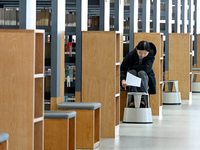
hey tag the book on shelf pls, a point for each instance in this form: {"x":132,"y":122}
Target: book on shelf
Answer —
{"x":70,"y":20}
{"x":43,"y":17}
{"x":95,"y":21}
{"x":1,"y":16}
{"x":69,"y":44}
{"x":71,"y":72}
{"x":9,"y":16}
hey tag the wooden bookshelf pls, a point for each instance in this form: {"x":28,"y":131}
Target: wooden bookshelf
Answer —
{"x":22,"y":86}
{"x":197,"y":65}
{"x":180,"y":62}
{"x":157,"y":40}
{"x":198,"y":51}
{"x":101,"y":59}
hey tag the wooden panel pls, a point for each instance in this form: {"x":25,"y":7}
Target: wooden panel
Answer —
{"x":98,"y":75}
{"x":117,"y":86}
{"x":17,"y":86}
{"x":179,"y":62}
{"x":78,"y":96}
{"x":72,"y":133}
{"x":4,"y":145}
{"x":123,"y":98}
{"x":84,"y":128}
{"x":62,"y":70}
{"x":122,"y":49}
{"x":39,"y":53}
{"x":39,"y":97}
{"x":198,"y":51}
{"x":155,"y":38}
{"x":117,"y":110}
{"x":38,"y":136}
{"x":198,"y":55}
{"x":56,"y":134}
{"x":97,"y":125}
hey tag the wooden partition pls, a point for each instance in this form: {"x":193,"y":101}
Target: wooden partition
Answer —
{"x":100,"y":76}
{"x":157,"y":40}
{"x":180,"y":62}
{"x":22,"y":88}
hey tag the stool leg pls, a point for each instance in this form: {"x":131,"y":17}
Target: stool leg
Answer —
{"x":170,"y":86}
{"x":137,"y":100}
{"x":128,"y":100}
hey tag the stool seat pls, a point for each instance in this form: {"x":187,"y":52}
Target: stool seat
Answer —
{"x":59,"y":114}
{"x":78,"y":105}
{"x":4,"y":137}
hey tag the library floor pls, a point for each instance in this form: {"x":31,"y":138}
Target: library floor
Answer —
{"x":178,"y":128}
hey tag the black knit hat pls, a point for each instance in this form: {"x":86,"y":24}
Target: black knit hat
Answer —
{"x":143,"y":45}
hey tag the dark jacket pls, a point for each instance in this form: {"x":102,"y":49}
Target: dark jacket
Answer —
{"x":131,"y":61}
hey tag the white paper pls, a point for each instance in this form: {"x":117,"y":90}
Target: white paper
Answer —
{"x":132,"y":80}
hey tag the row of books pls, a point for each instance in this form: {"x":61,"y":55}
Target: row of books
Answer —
{"x":70,"y":72}
{"x":69,"y":98}
{"x":9,"y":16}
{"x":43,"y":17}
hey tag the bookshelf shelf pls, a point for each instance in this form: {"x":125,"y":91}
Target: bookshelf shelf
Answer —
{"x":22,"y":86}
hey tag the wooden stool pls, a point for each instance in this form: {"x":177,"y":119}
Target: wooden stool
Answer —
{"x":87,"y":123}
{"x":59,"y":130}
{"x":4,"y":141}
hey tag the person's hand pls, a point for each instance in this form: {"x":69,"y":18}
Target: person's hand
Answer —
{"x":124,"y":84}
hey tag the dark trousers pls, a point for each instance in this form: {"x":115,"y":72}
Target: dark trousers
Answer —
{"x":144,"y":82}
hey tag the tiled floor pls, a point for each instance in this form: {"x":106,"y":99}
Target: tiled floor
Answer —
{"x":178,"y":128}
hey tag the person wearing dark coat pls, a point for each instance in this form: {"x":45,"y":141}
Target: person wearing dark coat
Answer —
{"x":139,"y":62}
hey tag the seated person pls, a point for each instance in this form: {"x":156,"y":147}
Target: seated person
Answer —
{"x":139,"y":62}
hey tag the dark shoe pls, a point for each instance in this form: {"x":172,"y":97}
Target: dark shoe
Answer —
{"x":132,"y":105}
{"x":142,"y":104}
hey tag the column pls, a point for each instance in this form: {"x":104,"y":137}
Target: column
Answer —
{"x":104,"y":15}
{"x":27,"y":14}
{"x":146,"y":16}
{"x":81,"y":25}
{"x":184,"y":16}
{"x":156,"y":16}
{"x":177,"y":16}
{"x":57,"y":52}
{"x":191,"y":16}
{"x":133,"y":24}
{"x":168,"y":29}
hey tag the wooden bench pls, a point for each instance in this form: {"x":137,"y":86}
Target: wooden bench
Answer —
{"x":59,"y":130}
{"x":87,"y":123}
{"x":4,"y":141}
